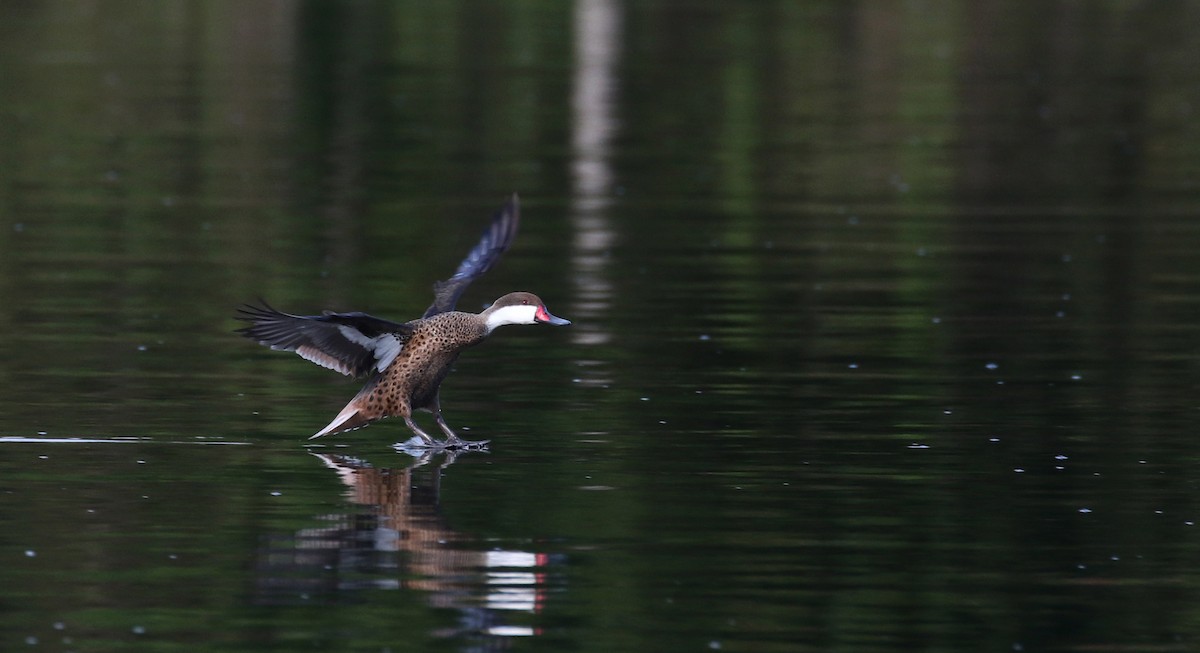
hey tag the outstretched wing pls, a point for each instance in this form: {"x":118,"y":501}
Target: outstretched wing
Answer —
{"x":496,"y":239}
{"x":355,"y":344}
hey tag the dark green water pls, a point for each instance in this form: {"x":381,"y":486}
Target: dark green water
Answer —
{"x":886,"y":325}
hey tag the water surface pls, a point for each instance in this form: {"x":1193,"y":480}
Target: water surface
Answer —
{"x":885,"y":324}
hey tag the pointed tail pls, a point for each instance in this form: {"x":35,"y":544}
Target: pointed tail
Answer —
{"x":353,"y":416}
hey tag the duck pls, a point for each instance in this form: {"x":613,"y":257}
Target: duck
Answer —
{"x":405,"y":362}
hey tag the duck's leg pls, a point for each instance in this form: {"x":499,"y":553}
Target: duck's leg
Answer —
{"x":452,"y":439}
{"x":426,"y":439}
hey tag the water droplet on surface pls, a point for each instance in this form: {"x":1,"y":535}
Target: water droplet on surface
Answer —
{"x":138,"y":630}
{"x":30,"y":553}
{"x":276,"y":493}
{"x":1085,"y":510}
{"x":991,"y":366}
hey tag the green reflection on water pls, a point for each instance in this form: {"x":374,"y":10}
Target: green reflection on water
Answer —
{"x":808,"y":230}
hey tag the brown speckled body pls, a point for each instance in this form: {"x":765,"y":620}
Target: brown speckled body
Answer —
{"x":406,"y":361}
{"x":411,"y":382}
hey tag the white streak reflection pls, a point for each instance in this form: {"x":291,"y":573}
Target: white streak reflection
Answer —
{"x":509,"y":589}
{"x":597,"y":46}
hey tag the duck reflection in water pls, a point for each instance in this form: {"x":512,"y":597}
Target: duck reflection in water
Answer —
{"x":397,"y":511}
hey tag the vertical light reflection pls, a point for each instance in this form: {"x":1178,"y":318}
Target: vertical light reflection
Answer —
{"x":597,"y":46}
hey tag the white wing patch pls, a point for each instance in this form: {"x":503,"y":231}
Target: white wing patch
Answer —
{"x":383,"y":348}
{"x":387,"y":348}
{"x":356,"y":336}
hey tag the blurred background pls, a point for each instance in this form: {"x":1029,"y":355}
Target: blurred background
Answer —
{"x":885,"y":324}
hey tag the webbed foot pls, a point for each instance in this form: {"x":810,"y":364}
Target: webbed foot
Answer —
{"x":458,"y":444}
{"x":419,"y":448}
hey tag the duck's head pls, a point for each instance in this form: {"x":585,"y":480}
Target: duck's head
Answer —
{"x":519,"y":308}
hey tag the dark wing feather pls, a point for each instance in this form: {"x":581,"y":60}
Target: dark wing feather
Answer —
{"x":355,"y":344}
{"x":496,"y":239}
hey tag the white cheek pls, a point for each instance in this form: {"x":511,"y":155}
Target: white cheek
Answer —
{"x":512,"y":315}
